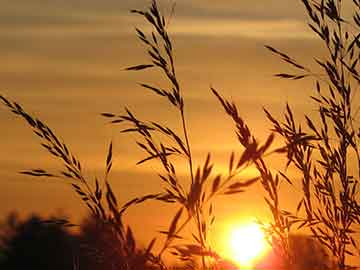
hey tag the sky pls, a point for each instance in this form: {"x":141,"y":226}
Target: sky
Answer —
{"x":64,"y":62}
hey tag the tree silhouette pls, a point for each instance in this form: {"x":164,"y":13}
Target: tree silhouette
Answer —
{"x":35,"y":244}
{"x":307,"y":254}
{"x":102,"y":248}
{"x":32,"y":244}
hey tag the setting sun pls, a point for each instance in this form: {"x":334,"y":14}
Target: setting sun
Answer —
{"x":246,"y":244}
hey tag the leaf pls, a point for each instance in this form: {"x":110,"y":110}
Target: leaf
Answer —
{"x":37,"y":173}
{"x":154,"y":89}
{"x":174,"y":222}
{"x":140,"y":33}
{"x":130,"y":241}
{"x":286,"y":178}
{"x":299,"y":205}
{"x":271,"y":49}
{"x":244,"y":184}
{"x":231,"y":192}
{"x":268,"y":143}
{"x":110,"y":115}
{"x":150,"y":246}
{"x":68,"y":175}
{"x":173,"y":236}
{"x":231,"y":162}
{"x":351,"y":45}
{"x":109,"y":159}
{"x":283,"y":55}
{"x":98,"y":192}
{"x":245,"y":156}
{"x":140,"y":67}
{"x":285,"y":76}
{"x":127,"y":204}
{"x":110,"y":195}
{"x":216,"y":184}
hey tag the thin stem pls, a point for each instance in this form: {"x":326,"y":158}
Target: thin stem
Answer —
{"x":187,"y":144}
{"x":201,"y":235}
{"x":168,"y":242}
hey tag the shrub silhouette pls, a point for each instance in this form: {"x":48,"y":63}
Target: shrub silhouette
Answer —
{"x":31,"y":244}
{"x":36,"y":243}
{"x":309,"y":254}
{"x":100,"y":248}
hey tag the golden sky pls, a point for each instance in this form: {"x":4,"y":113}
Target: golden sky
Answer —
{"x":64,"y":61}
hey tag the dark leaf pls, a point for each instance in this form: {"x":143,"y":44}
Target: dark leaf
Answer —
{"x":174,"y":222}
{"x":140,"y":67}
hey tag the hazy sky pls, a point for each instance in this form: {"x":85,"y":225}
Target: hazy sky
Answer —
{"x":64,"y":61}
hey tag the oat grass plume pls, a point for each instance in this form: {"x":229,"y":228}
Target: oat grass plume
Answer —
{"x":193,"y":200}
{"x":325,"y":150}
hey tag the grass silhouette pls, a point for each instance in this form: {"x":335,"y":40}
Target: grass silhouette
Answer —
{"x":323,"y":150}
{"x":326,"y":150}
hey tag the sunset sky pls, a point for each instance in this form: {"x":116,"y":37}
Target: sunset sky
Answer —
{"x":64,"y":62}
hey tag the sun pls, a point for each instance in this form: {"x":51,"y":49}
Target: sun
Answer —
{"x":247,"y":244}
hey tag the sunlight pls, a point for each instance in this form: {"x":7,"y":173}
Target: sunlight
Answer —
{"x":246,"y":244}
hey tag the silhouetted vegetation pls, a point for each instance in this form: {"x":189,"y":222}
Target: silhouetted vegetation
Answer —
{"x":309,"y":254}
{"x":100,"y":248}
{"x":323,"y":148}
{"x":33,"y":244}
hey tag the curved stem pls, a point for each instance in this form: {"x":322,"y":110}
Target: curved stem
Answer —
{"x":187,"y":145}
{"x":168,"y":241}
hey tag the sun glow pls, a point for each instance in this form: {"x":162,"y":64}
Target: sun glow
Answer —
{"x":246,"y":245}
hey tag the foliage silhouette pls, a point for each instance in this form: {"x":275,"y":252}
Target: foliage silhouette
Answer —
{"x":36,"y":244}
{"x":307,"y":253}
{"x":194,"y":199}
{"x":33,"y":244}
{"x":100,"y":248}
{"x":326,"y":150}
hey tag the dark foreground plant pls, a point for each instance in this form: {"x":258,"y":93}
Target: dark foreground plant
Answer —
{"x":34,"y":244}
{"x":193,"y":195}
{"x":326,"y":149}
{"x":96,"y":195}
{"x":23,"y":243}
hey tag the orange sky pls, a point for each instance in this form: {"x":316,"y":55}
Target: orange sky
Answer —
{"x":64,"y":61}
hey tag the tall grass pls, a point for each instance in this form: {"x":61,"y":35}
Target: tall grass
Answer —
{"x":322,"y":150}
{"x":193,"y":196}
{"x":326,"y":149}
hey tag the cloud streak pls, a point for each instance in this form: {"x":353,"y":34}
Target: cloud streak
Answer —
{"x":272,"y":29}
{"x":117,"y":27}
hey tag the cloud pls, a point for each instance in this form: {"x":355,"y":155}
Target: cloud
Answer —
{"x":123,"y":26}
{"x":64,"y":60}
{"x":234,"y":9}
{"x":273,"y":29}
{"x":78,"y":18}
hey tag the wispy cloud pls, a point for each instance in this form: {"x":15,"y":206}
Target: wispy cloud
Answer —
{"x":71,"y":18}
{"x":274,"y":29}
